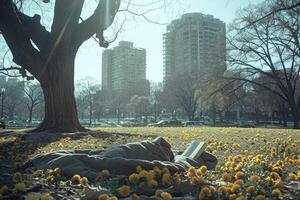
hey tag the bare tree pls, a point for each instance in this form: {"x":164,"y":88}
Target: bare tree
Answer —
{"x":184,"y":88}
{"x":269,"y":48}
{"x":139,"y":105}
{"x":87,"y":96}
{"x":49,"y":55}
{"x":156,"y":92}
{"x":277,"y":7}
{"x":33,"y":97}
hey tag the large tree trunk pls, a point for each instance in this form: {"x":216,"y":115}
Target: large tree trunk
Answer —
{"x":57,"y":83}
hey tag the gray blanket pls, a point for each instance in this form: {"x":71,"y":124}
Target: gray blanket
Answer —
{"x":121,"y":159}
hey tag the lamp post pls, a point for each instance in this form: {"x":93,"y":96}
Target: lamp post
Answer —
{"x":2,"y":101}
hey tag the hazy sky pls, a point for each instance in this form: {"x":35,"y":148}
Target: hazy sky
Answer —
{"x":148,"y":35}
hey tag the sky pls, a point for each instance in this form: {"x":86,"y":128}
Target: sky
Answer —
{"x":149,"y":35}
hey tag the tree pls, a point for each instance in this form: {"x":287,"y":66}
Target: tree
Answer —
{"x":183,"y":87}
{"x":213,"y":99}
{"x":139,"y":105}
{"x":33,"y":97}
{"x":12,"y":96}
{"x":269,"y":48}
{"x":277,"y":7}
{"x":87,"y":98}
{"x":49,"y":55}
{"x":156,"y":92}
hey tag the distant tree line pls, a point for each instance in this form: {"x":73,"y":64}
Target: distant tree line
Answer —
{"x":22,"y":101}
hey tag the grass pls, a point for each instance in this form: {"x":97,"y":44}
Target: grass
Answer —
{"x":273,"y":155}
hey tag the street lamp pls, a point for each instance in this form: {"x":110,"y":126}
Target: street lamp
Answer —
{"x":2,"y":100}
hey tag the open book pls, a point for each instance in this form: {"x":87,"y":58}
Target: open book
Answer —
{"x":195,"y":149}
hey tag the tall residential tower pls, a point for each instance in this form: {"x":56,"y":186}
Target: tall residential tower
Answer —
{"x":124,"y":70}
{"x":195,"y":43}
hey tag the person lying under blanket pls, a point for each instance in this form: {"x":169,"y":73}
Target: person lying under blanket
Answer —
{"x":123,"y":159}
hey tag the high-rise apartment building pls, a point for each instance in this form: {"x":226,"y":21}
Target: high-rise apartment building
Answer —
{"x":195,"y":43}
{"x":124,"y":70}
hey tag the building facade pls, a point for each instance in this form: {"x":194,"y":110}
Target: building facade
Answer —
{"x":195,"y":43}
{"x":124,"y":70}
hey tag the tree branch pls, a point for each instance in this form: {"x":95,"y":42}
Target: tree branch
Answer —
{"x":98,"y":22}
{"x":37,"y":33}
{"x":274,"y":11}
{"x":66,"y":18}
{"x":16,"y":38}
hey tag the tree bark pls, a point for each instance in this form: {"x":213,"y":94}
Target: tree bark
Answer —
{"x":57,"y":83}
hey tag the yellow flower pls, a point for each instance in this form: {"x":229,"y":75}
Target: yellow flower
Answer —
{"x":46,"y":197}
{"x":241,"y":198}
{"x":135,"y":197}
{"x":222,"y":189}
{"x":50,"y":179}
{"x":276,"y":193}
{"x":104,"y":173}
{"x":113,"y":198}
{"x":138,"y":169}
{"x":226,"y":177}
{"x":274,"y":175}
{"x":232,"y":197}
{"x":250,"y":189}
{"x":20,"y":187}
{"x":76,"y":178}
{"x":57,"y":171}
{"x":17,"y":177}
{"x":277,"y":169}
{"x":254,"y":178}
{"x":3,"y":189}
{"x":239,"y":182}
{"x":292,"y":176}
{"x":150,"y":175}
{"x":84,"y":181}
{"x":103,"y":197}
{"x":278,"y":183}
{"x":192,"y":171}
{"x":124,"y":190}
{"x":165,"y":170}
{"x":158,"y":192}
{"x":166,"y":179}
{"x":203,"y":170}
{"x":239,"y":175}
{"x":143,"y":173}
{"x":32,"y":196}
{"x":205,"y":192}
{"x":157,"y":170}
{"x":213,"y":178}
{"x":134,"y":177}
{"x":166,"y":196}
{"x":197,"y":180}
{"x":235,"y":188}
{"x":152,"y":183}
{"x":260,"y":197}
{"x":38,"y":173}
